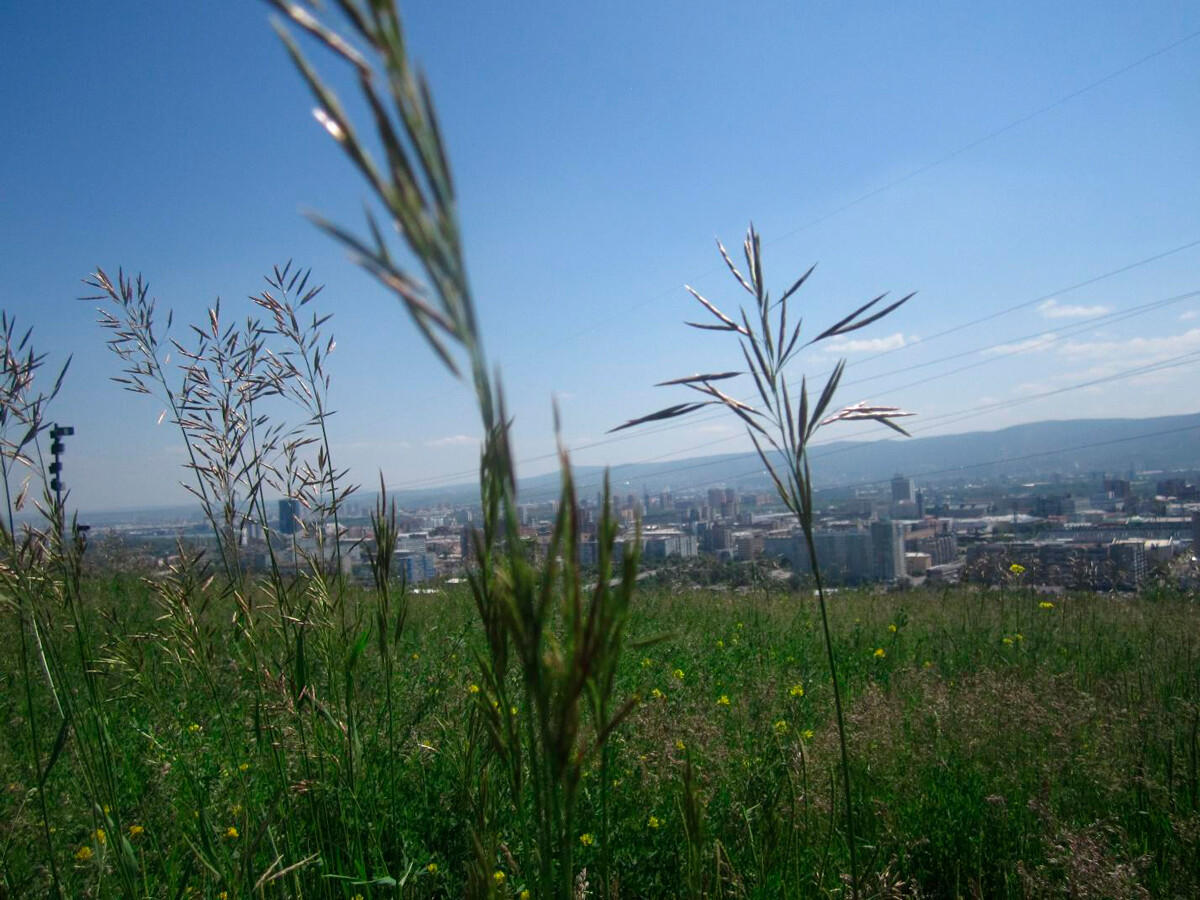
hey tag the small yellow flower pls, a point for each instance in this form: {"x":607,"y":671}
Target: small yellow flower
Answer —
{"x":928,"y":664}
{"x":498,"y":877}
{"x":473,"y":689}
{"x":723,"y":700}
{"x":680,"y":746}
{"x":653,"y":822}
{"x":107,"y":809}
{"x":135,"y":830}
{"x":796,"y":690}
{"x":586,"y":839}
{"x":892,"y":628}
{"x":416,"y":656}
{"x":678,"y":673}
{"x":524,"y":895}
{"x":645,"y":662}
{"x":1019,"y":637}
{"x":193,"y":728}
{"x":1017,"y":569}
{"x":657,"y":694}
{"x":101,"y":837}
{"x":781,"y":727}
{"x":431,"y":868}
{"x":740,"y":626}
{"x":1045,"y":604}
{"x":243,"y":767}
{"x":512,"y":710}
{"x":720,"y":645}
{"x":1007,"y":642}
{"x":83,"y":854}
{"x":807,"y":734}
{"x":231,"y":832}
{"x":236,"y":809}
{"x":880,"y":653}
{"x":224,"y":895}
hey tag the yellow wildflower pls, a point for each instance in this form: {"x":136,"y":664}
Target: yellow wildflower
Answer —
{"x":657,"y":694}
{"x":740,"y":626}
{"x":83,"y":854}
{"x":723,"y":700}
{"x":1019,"y":637}
{"x":653,"y":822}
{"x":135,"y":830}
{"x":524,"y":895}
{"x":431,"y":868}
{"x":678,"y":673}
{"x":236,"y":809}
{"x":880,"y":653}
{"x":231,"y":832}
{"x":416,"y":656}
{"x":498,"y":877}
{"x":1045,"y":604}
{"x":512,"y":710}
{"x":193,"y":728}
{"x":796,"y":690}
{"x":473,"y":689}
{"x":928,"y":664}
{"x":224,"y":895}
{"x":1017,"y":569}
{"x":720,"y":645}
{"x":645,"y":662}
{"x":892,"y":628}
{"x":586,"y":839}
{"x":680,"y":746}
{"x":243,"y":767}
{"x":1007,"y":642}
{"x":107,"y":809}
{"x":101,"y":837}
{"x":807,"y":734}
{"x":781,"y":727}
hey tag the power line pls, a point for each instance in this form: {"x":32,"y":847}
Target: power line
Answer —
{"x":875,"y":192}
{"x":1062,"y":331}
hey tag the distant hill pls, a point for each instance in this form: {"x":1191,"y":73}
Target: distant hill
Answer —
{"x":1030,"y":450}
{"x":1021,"y":451}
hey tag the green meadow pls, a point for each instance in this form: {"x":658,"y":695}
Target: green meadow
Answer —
{"x":999,"y":748}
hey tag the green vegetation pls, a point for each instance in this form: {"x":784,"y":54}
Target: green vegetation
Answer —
{"x":1001,"y":750}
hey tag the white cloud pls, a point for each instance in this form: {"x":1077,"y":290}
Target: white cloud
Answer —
{"x":1135,"y":351}
{"x":1052,"y":309}
{"x":868,"y":345}
{"x":456,"y":440}
{"x":1189,"y":315}
{"x":1026,"y":346}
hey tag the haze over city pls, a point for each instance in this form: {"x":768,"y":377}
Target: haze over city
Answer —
{"x":1030,"y":173}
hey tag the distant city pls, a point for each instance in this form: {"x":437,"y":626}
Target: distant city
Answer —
{"x":1103,"y":530}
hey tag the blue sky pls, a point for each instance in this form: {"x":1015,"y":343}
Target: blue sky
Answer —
{"x":598,"y":150}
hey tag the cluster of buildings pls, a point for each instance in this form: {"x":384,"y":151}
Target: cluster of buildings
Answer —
{"x":1100,"y":531}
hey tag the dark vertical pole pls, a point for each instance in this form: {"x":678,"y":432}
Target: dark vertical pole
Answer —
{"x":57,"y":433}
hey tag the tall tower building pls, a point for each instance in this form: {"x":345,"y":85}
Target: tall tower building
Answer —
{"x":289,"y":516}
{"x":902,"y":488}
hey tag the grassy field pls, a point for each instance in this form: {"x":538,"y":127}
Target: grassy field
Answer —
{"x":1000,"y":747}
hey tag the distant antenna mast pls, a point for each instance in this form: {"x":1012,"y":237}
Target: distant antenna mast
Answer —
{"x":57,"y":433}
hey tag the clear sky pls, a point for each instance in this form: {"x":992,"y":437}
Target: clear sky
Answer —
{"x":598,"y":150}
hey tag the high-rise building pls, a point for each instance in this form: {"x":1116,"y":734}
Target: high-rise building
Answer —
{"x":902,"y":488}
{"x":289,"y":516}
{"x":887,"y":546}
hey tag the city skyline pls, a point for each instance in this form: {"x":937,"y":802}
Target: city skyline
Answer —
{"x":1010,"y":177}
